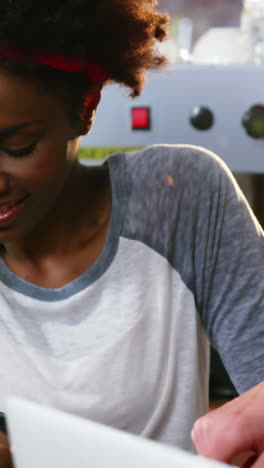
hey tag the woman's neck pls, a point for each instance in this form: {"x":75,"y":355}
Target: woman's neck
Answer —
{"x":81,"y":212}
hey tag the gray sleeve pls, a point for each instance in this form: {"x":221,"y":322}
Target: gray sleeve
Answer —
{"x":229,"y":279}
{"x":202,"y":224}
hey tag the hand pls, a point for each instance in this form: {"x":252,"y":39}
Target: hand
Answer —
{"x":234,"y":428}
{"x":5,"y":454}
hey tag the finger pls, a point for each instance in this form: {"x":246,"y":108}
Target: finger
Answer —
{"x":224,"y":432}
{"x":219,"y":436}
{"x":234,"y":428}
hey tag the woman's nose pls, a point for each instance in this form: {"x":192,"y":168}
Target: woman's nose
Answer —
{"x":4,"y":184}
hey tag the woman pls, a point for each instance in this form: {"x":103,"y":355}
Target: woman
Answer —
{"x":112,"y":277}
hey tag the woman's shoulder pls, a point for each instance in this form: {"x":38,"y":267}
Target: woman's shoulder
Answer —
{"x":175,"y":155}
{"x":187,"y":164}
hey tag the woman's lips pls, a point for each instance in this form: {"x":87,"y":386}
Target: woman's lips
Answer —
{"x":9,"y":211}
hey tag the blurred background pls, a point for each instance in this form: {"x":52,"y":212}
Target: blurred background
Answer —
{"x":205,"y":14}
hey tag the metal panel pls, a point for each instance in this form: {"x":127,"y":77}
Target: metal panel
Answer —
{"x":172,"y":95}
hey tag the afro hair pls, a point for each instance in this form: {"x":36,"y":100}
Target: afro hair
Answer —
{"x":117,"y":34}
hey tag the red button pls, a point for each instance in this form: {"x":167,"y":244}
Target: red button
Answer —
{"x":140,"y":118}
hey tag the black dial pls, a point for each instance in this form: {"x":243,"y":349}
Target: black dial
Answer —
{"x":253,"y":121}
{"x":202,"y":118}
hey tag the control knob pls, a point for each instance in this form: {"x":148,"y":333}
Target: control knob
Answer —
{"x":202,"y":118}
{"x":253,"y":121}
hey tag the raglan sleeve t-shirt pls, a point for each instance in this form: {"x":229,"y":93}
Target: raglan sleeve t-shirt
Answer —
{"x":127,"y":343}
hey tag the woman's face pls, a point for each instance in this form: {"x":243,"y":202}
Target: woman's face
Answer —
{"x":37,"y":150}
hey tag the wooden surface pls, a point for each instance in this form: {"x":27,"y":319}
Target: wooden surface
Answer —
{"x":214,"y":404}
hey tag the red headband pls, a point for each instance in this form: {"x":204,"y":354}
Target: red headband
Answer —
{"x":91,"y":70}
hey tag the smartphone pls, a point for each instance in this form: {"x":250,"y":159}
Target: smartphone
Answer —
{"x":3,"y":427}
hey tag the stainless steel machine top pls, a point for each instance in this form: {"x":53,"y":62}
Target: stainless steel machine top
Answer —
{"x":218,"y":107}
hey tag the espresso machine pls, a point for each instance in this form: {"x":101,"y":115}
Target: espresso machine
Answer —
{"x":218,"y":107}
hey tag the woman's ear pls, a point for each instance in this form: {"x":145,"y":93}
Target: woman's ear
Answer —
{"x":91,"y":102}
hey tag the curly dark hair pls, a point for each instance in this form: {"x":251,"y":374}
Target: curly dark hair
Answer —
{"x":117,"y":34}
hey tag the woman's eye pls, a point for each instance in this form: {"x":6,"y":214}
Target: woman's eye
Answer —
{"x":27,"y":150}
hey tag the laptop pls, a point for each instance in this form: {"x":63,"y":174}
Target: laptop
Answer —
{"x":43,"y":437}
